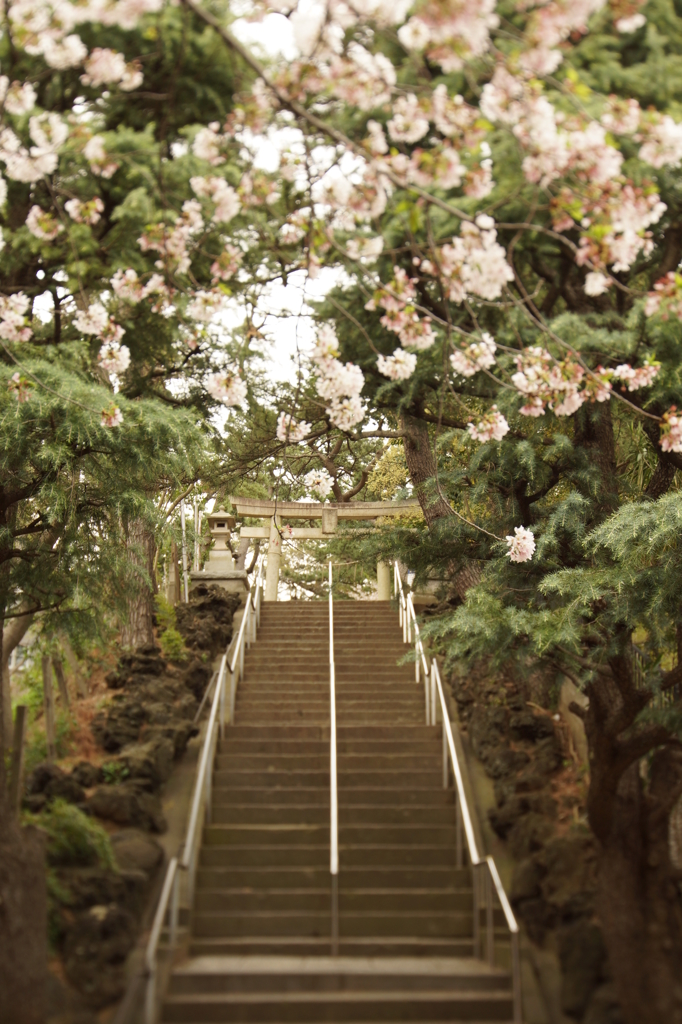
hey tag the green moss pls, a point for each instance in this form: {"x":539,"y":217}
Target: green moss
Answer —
{"x":72,"y":837}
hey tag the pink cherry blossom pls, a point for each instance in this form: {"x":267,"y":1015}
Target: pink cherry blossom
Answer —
{"x":636,"y":378}
{"x":84,"y":213}
{"x":94,"y":320}
{"x":96,"y":154}
{"x":114,"y":358}
{"x":408,"y":123}
{"x":227,"y":386}
{"x":671,"y":431}
{"x":399,"y":366}
{"x":111,"y":416}
{"x":521,"y":545}
{"x":597,"y":283}
{"x":291,"y":430}
{"x":492,"y":427}
{"x":43,"y":224}
{"x":13,"y":309}
{"x":319,"y":482}
{"x":20,"y":387}
{"x":479,"y":355}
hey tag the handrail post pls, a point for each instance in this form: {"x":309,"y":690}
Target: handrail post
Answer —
{"x":446,"y":772}
{"x":490,"y":938}
{"x":333,"y":789}
{"x":516,"y":978}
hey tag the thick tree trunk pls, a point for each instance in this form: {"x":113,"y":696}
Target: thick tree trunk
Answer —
{"x":638,"y":900}
{"x":422,"y":468}
{"x":138,"y":627}
{"x":421,"y":464}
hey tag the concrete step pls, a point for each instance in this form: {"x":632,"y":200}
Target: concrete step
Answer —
{"x":316,"y":855}
{"x":229,"y":813}
{"x":235,"y":744}
{"x":214,"y":924}
{"x":334,"y":974}
{"x":347,"y":762}
{"x":391,"y":1004}
{"x":356,"y":947}
{"x":311,"y":797}
{"x":360,"y":901}
{"x":350,"y":878}
{"x":350,"y":835}
{"x":252,"y":778}
{"x":369,"y":732}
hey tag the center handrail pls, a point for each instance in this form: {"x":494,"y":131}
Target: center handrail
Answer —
{"x":200,"y":809}
{"x":333,"y":782}
{"x":486,"y":879}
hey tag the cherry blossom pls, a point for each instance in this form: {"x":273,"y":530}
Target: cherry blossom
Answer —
{"x":96,"y":154}
{"x":127,"y":285}
{"x":114,"y":358}
{"x":84,"y":213}
{"x":290,"y":430}
{"x":111,"y":416}
{"x":94,"y":320}
{"x":408,"y":123}
{"x":208,"y":144}
{"x":671,"y":430}
{"x":319,"y":482}
{"x":491,"y":427}
{"x":479,"y":355}
{"x":521,"y":544}
{"x":475,"y":264}
{"x":636,"y":378}
{"x":631,"y":24}
{"x":17,"y":98}
{"x":227,"y":264}
{"x":597,"y":283}
{"x":205,"y":305}
{"x":667,"y":294}
{"x":226,"y":200}
{"x":13,"y":309}
{"x":42,"y":224}
{"x":20,"y":387}
{"x":399,"y":366}
{"x":663,"y":145}
{"x":227,"y":386}
{"x":105,"y":66}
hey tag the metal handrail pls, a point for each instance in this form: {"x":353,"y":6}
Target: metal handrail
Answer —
{"x":200,"y":808}
{"x":486,"y":879}
{"x":333,"y":782}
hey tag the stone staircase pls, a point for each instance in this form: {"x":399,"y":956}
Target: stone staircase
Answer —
{"x":261,"y":925}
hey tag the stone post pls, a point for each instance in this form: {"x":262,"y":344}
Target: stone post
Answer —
{"x":274,"y":559}
{"x":383,"y":581}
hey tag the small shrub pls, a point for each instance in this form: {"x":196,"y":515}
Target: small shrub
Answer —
{"x":173,"y":646}
{"x":165,"y":613}
{"x":73,"y":837}
{"x":115,"y":772}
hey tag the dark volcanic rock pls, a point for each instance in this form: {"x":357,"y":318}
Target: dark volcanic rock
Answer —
{"x":135,"y":851}
{"x":65,"y":788}
{"x":41,"y":776}
{"x":583,"y":959}
{"x":205,"y":622}
{"x":95,"y":949}
{"x":524,"y":725}
{"x":87,"y":775}
{"x":119,"y":724}
{"x":150,"y":762}
{"x":126,"y":804}
{"x":144,"y":661}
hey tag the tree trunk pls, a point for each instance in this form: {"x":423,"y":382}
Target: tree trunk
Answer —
{"x":638,"y":897}
{"x":138,"y":627}
{"x":11,"y":636}
{"x":23,"y":912}
{"x":422,"y":468}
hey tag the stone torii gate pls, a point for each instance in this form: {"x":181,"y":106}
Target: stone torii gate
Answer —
{"x":330,"y":513}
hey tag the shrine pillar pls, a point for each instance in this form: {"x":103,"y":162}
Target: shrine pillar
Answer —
{"x":383,"y":581}
{"x":274,"y":559}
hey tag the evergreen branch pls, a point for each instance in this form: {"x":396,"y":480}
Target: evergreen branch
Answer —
{"x":585,"y":663}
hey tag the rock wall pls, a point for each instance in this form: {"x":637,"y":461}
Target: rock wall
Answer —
{"x":141,"y":732}
{"x":539,"y":794}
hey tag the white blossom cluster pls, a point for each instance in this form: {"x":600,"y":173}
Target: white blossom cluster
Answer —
{"x":227,"y":386}
{"x":521,"y":545}
{"x":290,"y":430}
{"x":338,"y":383}
{"x":319,"y":482}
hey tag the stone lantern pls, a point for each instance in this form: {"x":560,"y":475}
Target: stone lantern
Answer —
{"x":220,"y":565}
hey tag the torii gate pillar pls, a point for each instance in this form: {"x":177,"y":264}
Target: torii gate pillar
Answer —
{"x":274,"y":559}
{"x":383,"y":581}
